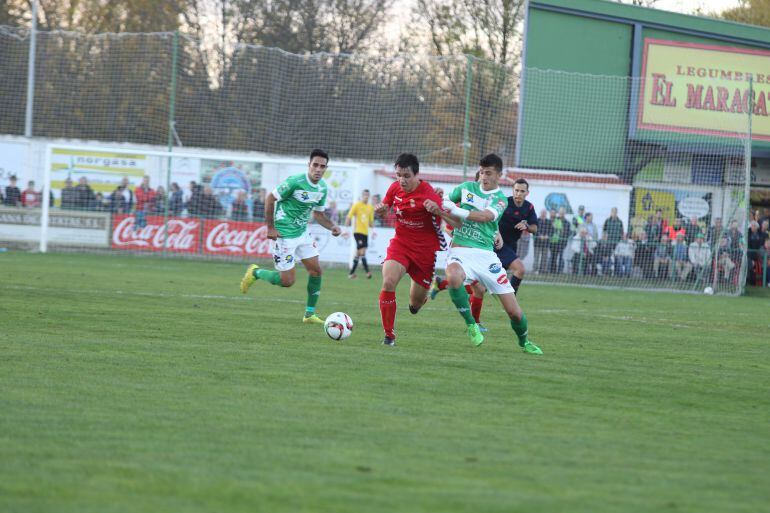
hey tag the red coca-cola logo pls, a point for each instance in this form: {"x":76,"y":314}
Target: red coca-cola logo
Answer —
{"x":179,"y":235}
{"x":236,"y":238}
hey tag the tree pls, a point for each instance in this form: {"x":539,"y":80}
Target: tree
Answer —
{"x":489,"y":33}
{"x":753,"y":12}
{"x":297,"y":26}
{"x":9,"y":13}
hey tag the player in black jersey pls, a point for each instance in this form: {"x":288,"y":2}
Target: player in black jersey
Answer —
{"x":518,"y":217}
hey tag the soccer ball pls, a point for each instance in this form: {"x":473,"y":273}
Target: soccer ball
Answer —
{"x":338,"y":326}
{"x":708,"y":291}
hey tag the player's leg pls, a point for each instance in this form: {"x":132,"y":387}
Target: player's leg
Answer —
{"x":352,"y":273}
{"x":421,"y":273}
{"x":456,"y":276}
{"x":418,"y":295}
{"x":477,"y":291}
{"x":518,"y":322}
{"x":518,"y":270}
{"x":392,"y":272}
{"x":315,"y":273}
{"x":497,"y":283}
{"x":362,"y":254}
{"x":283,"y":275}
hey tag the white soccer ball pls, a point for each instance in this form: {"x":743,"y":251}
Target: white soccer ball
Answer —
{"x":708,"y":291}
{"x":338,"y":326}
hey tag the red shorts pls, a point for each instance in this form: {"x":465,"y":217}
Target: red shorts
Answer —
{"x":420,"y":264}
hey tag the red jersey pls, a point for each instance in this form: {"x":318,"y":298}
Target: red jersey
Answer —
{"x":414,"y":224}
{"x":144,"y":199}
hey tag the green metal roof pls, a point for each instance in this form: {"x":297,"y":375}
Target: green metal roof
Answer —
{"x":649,"y":16}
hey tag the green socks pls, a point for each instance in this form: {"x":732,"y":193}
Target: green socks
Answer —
{"x":273,"y":277}
{"x":460,"y":299}
{"x":520,"y":327}
{"x":313,"y":291}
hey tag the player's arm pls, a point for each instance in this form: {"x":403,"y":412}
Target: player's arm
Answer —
{"x":322,"y":219}
{"x":529,"y":224}
{"x":435,"y":209}
{"x":382,"y":207}
{"x":272,"y":233}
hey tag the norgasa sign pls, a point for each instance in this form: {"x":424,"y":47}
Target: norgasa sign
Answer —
{"x":704,"y":89}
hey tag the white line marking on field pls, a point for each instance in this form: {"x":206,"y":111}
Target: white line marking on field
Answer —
{"x":659,"y":321}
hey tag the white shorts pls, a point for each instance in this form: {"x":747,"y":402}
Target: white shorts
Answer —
{"x":481,"y":265}
{"x":287,"y":251}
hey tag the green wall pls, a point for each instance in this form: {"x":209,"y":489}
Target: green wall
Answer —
{"x":572,"y":121}
{"x":574,"y":109}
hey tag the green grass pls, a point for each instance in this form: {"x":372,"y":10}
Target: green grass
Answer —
{"x":147,"y":385}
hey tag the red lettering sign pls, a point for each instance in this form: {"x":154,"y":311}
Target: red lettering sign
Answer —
{"x":236,"y":238}
{"x":183,"y":234}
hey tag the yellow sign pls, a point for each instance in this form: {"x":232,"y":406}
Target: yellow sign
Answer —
{"x":704,"y":89}
{"x":647,"y":201}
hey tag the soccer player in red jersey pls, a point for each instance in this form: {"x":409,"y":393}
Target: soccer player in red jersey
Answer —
{"x":413,"y":249}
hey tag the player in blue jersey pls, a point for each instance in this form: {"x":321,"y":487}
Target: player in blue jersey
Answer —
{"x":518,"y":217}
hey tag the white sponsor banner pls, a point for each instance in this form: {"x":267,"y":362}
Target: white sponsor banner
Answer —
{"x":13,"y":162}
{"x":341,"y":249}
{"x":64,"y":227}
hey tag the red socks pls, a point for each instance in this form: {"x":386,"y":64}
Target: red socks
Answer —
{"x":388,"y":312}
{"x":476,"y":303}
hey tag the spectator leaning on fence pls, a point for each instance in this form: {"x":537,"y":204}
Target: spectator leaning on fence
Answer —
{"x":145,"y":200}
{"x":680,"y":255}
{"x":175,"y":201}
{"x":30,"y":198}
{"x":613,"y":228}
{"x":12,"y":193}
{"x":117,"y":201}
{"x":674,"y":229}
{"x":128,"y":194}
{"x":692,"y":229}
{"x":258,"y":207}
{"x":593,"y":230}
{"x":662,"y":258}
{"x":239,"y":209}
{"x":209,"y":204}
{"x":68,"y":199}
{"x":715,"y":232}
{"x":624,"y":256}
{"x":725,"y":263}
{"x":84,"y":195}
{"x":655,"y":226}
{"x":764,"y":254}
{"x":700,"y":257}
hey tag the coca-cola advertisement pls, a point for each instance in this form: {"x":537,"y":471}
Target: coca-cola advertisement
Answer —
{"x":236,"y":238}
{"x":182,"y":237}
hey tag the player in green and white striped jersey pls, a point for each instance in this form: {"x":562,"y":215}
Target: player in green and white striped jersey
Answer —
{"x":287,"y":213}
{"x":472,"y":256}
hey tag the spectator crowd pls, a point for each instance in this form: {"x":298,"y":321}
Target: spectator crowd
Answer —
{"x":678,"y":250}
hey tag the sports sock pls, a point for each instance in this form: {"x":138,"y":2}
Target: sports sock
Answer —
{"x":313,"y":292}
{"x":460,"y":299}
{"x":355,"y":264}
{"x":515,"y":282}
{"x":273,"y":277}
{"x":476,"y":304}
{"x":441,"y":284}
{"x":363,"y":262}
{"x":388,"y":312}
{"x":520,"y":327}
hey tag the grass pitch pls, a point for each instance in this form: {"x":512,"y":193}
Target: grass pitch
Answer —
{"x":134,"y":384}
